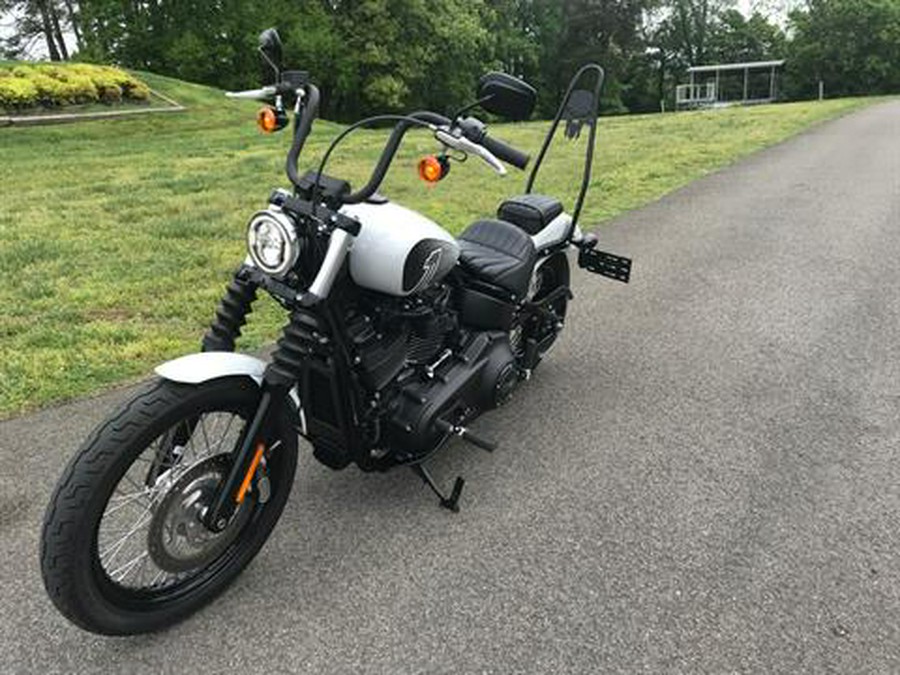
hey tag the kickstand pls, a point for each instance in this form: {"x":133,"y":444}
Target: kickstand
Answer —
{"x":452,"y":502}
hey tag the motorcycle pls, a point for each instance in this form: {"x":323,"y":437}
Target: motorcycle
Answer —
{"x":399,"y":336}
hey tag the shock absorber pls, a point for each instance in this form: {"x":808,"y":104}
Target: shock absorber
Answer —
{"x":304,"y":337}
{"x":231,"y":314}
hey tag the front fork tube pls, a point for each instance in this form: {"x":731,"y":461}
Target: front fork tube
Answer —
{"x":230,"y":317}
{"x":225,"y":500}
{"x":225,"y":329}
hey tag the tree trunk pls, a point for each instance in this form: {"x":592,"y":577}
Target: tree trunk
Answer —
{"x":47,"y":29}
{"x":661,"y":82}
{"x":57,"y":31}
{"x":73,"y":21}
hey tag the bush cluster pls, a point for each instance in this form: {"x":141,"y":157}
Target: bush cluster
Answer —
{"x":26,"y":86}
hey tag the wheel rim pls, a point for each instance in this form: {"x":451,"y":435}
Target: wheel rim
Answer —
{"x":135,"y":516}
{"x":177,"y":539}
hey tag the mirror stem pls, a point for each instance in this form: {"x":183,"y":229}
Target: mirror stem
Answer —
{"x":469,"y":107}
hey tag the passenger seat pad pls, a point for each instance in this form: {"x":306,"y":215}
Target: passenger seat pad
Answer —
{"x":531,"y":212}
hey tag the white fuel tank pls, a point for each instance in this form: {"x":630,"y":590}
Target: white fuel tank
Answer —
{"x":398,"y":251}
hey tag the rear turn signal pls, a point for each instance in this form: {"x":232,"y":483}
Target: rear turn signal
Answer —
{"x":270,"y":120}
{"x":432,"y":169}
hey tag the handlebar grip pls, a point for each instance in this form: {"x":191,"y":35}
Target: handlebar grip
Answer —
{"x":505,"y":152}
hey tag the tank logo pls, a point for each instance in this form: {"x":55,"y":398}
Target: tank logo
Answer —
{"x":429,"y":268}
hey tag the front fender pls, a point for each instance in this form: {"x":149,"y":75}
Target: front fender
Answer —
{"x":205,"y":366}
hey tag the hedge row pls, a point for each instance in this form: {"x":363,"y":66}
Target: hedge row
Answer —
{"x":26,"y":86}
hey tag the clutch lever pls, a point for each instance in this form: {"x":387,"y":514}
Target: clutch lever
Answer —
{"x":465,"y":145}
{"x":262,"y":94}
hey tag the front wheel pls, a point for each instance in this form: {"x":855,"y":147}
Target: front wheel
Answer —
{"x":123,"y":548}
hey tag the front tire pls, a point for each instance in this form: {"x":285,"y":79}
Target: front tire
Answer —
{"x":171,"y":566}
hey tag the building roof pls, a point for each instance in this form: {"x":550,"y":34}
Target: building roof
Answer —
{"x":735,"y":66}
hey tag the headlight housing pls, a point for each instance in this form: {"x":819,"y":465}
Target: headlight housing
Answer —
{"x":272,"y":242}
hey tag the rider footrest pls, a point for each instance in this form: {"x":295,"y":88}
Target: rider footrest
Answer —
{"x":606,"y":264}
{"x":466,"y":435}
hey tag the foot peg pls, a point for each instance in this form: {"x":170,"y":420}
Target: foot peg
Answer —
{"x":602,"y":263}
{"x":466,"y":435}
{"x":450,"y":503}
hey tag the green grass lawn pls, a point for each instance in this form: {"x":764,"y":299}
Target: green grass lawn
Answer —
{"x":117,"y":237}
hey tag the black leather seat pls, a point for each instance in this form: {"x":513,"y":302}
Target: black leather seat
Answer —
{"x":499,"y":253}
{"x":531,"y":212}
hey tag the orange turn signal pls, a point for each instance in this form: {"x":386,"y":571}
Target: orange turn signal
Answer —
{"x":432,"y":169}
{"x":267,"y":120}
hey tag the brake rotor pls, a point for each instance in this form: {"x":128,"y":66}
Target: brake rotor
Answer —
{"x":177,"y":540}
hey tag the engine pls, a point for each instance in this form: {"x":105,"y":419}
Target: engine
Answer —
{"x":414,"y":374}
{"x":479,"y":374}
{"x":420,"y":367}
{"x":393,"y":335}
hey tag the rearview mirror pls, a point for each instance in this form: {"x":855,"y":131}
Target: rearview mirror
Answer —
{"x":270,"y":48}
{"x":507,"y":96}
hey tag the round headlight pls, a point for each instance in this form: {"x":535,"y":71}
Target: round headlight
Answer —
{"x":272,"y":242}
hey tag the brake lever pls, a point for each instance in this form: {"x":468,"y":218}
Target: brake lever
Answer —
{"x":465,"y":145}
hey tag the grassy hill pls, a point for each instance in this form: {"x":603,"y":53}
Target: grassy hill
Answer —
{"x":117,"y":237}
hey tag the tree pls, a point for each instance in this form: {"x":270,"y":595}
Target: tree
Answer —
{"x":852,"y":45}
{"x":736,"y":39}
{"x":683,"y":33}
{"x":372,"y":56}
{"x":35,"y":19}
{"x":398,"y":54}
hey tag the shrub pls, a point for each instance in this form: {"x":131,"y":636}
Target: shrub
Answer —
{"x":139,"y":92}
{"x":110,"y":93}
{"x":81,"y":89}
{"x":73,"y":87}
{"x":110,"y":79}
{"x":22,"y":71}
{"x":50,"y":90}
{"x":17,"y":92}
{"x":62,"y":84}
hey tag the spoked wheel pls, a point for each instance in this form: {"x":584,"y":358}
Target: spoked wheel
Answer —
{"x":124,"y":549}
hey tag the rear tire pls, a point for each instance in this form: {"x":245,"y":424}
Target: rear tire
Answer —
{"x":74,"y":569}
